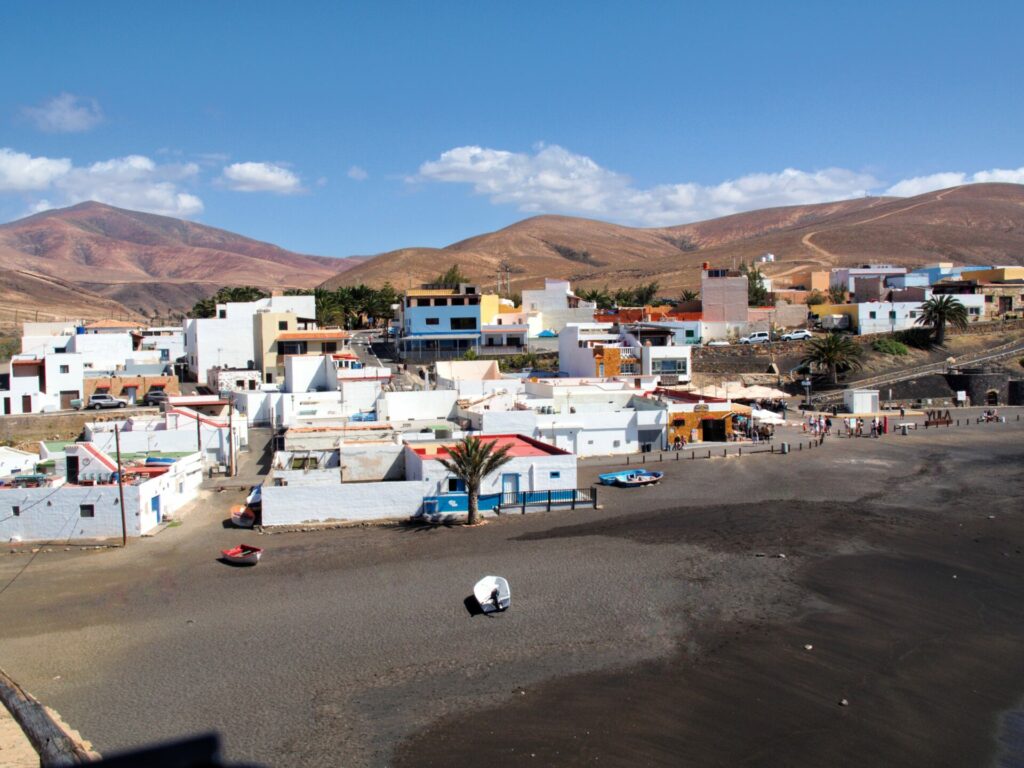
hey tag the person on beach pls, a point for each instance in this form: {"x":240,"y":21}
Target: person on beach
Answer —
{"x":828,"y":425}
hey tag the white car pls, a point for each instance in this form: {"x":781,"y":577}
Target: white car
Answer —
{"x":717,"y":344}
{"x":798,"y":335}
{"x":757,"y":337}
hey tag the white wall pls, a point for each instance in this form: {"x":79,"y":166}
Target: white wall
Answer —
{"x":102,"y":351}
{"x":408,"y":406}
{"x":369,"y":461}
{"x":293,"y":505}
{"x":286,"y":409}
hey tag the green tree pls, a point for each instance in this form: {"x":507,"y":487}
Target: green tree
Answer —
{"x":471,"y":460}
{"x":688,"y":295}
{"x":833,"y":353}
{"x":208,"y":307}
{"x":600,"y":296}
{"x":452,"y":276}
{"x":815,"y":297}
{"x":645,"y":293}
{"x":757,"y":294}
{"x":837,"y":294}
{"x":939,"y":311}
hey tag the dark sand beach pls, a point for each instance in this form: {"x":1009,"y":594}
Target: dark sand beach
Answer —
{"x":663,"y":629}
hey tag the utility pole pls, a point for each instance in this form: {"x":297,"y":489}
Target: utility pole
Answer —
{"x":231,"y":442}
{"x":199,"y":435}
{"x":120,"y":485}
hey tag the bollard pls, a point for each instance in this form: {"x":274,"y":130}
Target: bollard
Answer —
{"x":725,"y":453}
{"x":709,"y":453}
{"x":741,"y":450}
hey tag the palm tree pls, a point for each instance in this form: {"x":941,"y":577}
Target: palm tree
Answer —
{"x":688,"y":295}
{"x":471,"y":460}
{"x":833,"y":352}
{"x":940,"y":310}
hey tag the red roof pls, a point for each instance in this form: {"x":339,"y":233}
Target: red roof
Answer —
{"x":519,"y":445}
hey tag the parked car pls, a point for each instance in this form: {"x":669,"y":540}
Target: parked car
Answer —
{"x":720,"y":343}
{"x":155,"y":397}
{"x":757,"y":337}
{"x":96,"y":402}
{"x":800,"y":334}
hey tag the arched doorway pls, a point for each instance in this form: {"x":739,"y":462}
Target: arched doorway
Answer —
{"x":992,"y":397}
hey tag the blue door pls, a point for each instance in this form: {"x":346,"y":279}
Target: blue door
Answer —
{"x":154,"y":504}
{"x":510,"y":483}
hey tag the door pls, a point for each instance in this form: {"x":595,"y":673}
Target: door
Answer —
{"x":72,"y":467}
{"x":154,"y":504}
{"x":7,"y":406}
{"x":714,"y":430}
{"x":129,"y":394}
{"x":1005,"y":304}
{"x":509,"y":484}
{"x":66,"y":396}
{"x":26,"y":403}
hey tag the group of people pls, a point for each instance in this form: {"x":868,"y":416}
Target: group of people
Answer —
{"x":990,"y":414}
{"x":856,"y":427}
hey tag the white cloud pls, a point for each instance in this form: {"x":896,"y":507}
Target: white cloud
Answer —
{"x":357,"y":173}
{"x":65,"y":113}
{"x":555,"y":179}
{"x":20,"y":172}
{"x":921,"y":184}
{"x":134,"y":181}
{"x":261,"y":177}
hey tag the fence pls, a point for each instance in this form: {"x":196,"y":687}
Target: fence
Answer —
{"x":568,"y":497}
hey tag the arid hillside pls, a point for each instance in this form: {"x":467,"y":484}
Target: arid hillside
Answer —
{"x":975,"y":224}
{"x":94,"y":259}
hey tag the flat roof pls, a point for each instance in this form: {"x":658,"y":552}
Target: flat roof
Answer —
{"x":519,"y":446}
{"x":336,"y":333}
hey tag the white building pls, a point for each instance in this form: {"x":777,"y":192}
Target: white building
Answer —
{"x":890,"y":316}
{"x":558,"y":306}
{"x":41,"y":382}
{"x":227,"y":340}
{"x":85,"y":504}
{"x":15,"y":462}
{"x":166,"y":342}
{"x":534,"y":466}
{"x":606,"y":350}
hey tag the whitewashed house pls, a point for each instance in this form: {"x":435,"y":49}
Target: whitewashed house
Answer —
{"x":15,"y":462}
{"x":84,"y":503}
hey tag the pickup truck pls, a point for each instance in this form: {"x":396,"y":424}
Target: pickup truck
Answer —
{"x":96,"y":402}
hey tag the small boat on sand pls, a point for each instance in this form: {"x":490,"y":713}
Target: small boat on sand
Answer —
{"x":493,"y":594}
{"x":242,"y":516}
{"x":631,"y":478}
{"x":243,"y":554}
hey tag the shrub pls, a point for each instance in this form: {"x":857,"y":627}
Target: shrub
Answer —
{"x":889,"y":346}
{"x":919,"y":338}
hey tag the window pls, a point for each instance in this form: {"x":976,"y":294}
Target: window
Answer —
{"x":16,"y":511}
{"x":222,"y":313}
{"x":282,"y":325}
{"x":974,"y":310}
{"x":872,"y":315}
{"x":463,"y":323}
{"x":616,"y":443}
{"x":989,"y":298}
{"x":270,"y":378}
{"x":455,"y":485}
{"x":626,"y":368}
{"x":65,"y":369}
{"x":892,"y":314}
{"x":304,"y":462}
{"x":239,"y":383}
{"x":458,"y":301}
{"x":600,"y":369}
{"x":432,"y":321}
{"x":554,"y":474}
{"x":330,"y":347}
{"x":668,"y":366}
{"x":689,"y":334}
{"x":86,"y":510}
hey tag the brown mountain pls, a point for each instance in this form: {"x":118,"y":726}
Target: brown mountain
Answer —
{"x":974,"y":224}
{"x":95,"y":260}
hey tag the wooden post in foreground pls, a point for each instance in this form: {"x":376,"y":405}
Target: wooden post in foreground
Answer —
{"x":120,"y":485}
{"x":54,"y":745}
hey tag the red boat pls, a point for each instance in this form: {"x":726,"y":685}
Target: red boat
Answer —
{"x":243,"y":554}
{"x":242,"y":516}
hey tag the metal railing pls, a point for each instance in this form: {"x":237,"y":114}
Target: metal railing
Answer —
{"x":568,"y":497}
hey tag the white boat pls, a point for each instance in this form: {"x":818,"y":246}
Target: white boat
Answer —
{"x":493,"y":594}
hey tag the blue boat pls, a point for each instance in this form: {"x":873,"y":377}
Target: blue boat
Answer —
{"x":159,"y":461}
{"x":630,"y":478}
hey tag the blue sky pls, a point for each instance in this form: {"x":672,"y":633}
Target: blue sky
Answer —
{"x":352,"y":128}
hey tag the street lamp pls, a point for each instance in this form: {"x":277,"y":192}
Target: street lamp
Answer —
{"x":807,"y":388}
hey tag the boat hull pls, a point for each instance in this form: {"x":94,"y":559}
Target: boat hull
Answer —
{"x":242,"y":555}
{"x":493,"y":594}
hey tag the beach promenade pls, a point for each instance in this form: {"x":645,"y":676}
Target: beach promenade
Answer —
{"x":669,"y":627}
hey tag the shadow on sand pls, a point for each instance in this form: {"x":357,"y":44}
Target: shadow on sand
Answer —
{"x":473,"y":607}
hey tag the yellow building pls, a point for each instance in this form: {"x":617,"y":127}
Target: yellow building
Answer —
{"x":277,"y":334}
